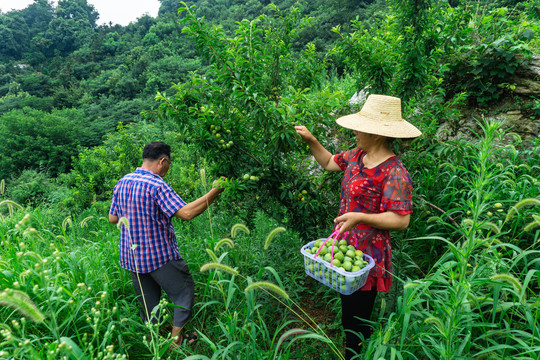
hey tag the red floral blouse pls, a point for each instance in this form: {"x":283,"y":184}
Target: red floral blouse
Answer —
{"x":385,"y":187}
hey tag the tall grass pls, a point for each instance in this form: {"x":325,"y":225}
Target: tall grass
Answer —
{"x":72,"y":282}
{"x":467,"y":276}
{"x":245,"y":308}
{"x":479,"y":300}
{"x":68,"y":268}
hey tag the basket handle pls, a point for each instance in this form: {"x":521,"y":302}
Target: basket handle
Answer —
{"x":354,"y":239}
{"x":336,"y":232}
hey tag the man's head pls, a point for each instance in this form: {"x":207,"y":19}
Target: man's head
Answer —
{"x":156,"y":150}
{"x":157,"y":157}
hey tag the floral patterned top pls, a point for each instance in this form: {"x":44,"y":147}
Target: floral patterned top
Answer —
{"x":384,"y":187}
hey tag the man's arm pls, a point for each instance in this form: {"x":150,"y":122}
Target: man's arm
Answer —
{"x":197,"y":207}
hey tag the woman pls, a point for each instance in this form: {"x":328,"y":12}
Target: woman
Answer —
{"x":375,"y":197}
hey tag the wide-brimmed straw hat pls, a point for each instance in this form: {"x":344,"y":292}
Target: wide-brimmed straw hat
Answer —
{"x":380,"y":115}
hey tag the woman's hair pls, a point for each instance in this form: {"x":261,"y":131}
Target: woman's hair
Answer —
{"x":156,"y":150}
{"x":393,"y":144}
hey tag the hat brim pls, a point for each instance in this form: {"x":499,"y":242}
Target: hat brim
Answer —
{"x":367,"y":124}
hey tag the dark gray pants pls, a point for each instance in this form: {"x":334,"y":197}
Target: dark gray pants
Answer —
{"x":174,"y":278}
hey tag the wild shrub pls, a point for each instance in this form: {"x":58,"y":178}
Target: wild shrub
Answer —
{"x":482,"y":49}
{"x":471,"y":49}
{"x":33,"y":139}
{"x":33,"y":188}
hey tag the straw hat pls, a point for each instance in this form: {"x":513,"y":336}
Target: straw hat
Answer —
{"x":380,"y":115}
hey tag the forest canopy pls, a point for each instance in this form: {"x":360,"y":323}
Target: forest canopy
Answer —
{"x":55,"y":57}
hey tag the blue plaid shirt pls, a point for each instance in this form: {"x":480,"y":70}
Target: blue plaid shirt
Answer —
{"x":148,"y":203}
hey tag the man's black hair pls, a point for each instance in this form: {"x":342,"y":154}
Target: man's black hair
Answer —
{"x":156,"y":150}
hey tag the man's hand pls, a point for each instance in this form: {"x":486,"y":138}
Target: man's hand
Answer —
{"x":220,"y":183}
{"x":195,"y":208}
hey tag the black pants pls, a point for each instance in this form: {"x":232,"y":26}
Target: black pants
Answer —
{"x":174,"y":278}
{"x":355,"y":308}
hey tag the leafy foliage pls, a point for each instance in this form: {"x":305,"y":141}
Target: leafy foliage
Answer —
{"x":488,"y":56}
{"x":242,"y":116}
{"x":471,"y":247}
{"x":472,"y":50}
{"x":96,"y":170}
{"x":367,"y":53}
{"x":33,"y":188}
{"x":37,"y":140}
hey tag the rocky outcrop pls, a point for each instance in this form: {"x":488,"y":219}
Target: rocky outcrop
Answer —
{"x":519,"y":110}
{"x":527,"y":79}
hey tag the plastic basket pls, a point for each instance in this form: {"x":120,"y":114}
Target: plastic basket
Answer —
{"x":342,"y":281}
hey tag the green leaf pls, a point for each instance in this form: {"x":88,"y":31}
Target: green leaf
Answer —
{"x":73,"y":350}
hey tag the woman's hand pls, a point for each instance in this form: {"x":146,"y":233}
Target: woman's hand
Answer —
{"x":305,"y":134}
{"x":347,"y":221}
{"x":323,"y":156}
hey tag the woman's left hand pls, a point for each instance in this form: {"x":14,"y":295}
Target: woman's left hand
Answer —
{"x":347,"y":221}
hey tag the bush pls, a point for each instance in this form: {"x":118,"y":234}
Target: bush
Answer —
{"x":33,"y":139}
{"x":31,"y":188}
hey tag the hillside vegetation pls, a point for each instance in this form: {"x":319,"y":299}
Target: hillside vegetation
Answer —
{"x":224,"y":82}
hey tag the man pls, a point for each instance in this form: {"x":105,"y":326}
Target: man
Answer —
{"x":148,"y":246}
